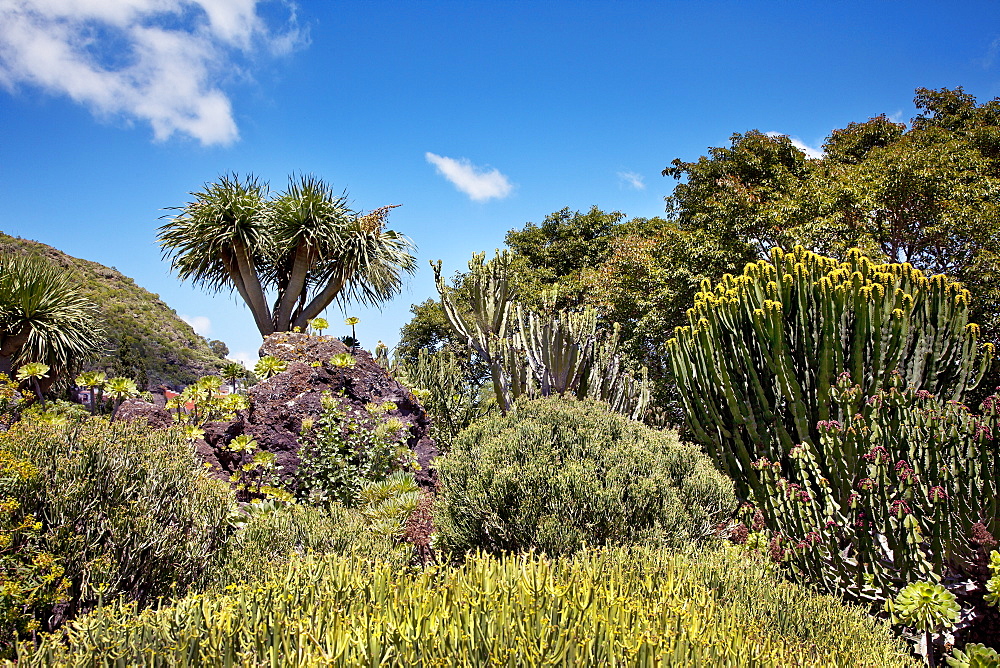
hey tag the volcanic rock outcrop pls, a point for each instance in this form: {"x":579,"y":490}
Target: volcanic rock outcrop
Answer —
{"x":280,"y":404}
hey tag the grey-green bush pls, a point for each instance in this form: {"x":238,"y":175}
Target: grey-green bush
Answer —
{"x":128,"y":512}
{"x":557,"y":473}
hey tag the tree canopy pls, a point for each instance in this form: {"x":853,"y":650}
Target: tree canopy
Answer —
{"x":304,"y":247}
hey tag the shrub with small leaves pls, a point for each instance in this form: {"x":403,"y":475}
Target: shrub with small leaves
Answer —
{"x":31,"y":578}
{"x":11,"y":401}
{"x":556,"y":474}
{"x":346,"y":449}
{"x":126,"y":512}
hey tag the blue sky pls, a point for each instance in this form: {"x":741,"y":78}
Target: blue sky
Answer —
{"x":477,"y":117}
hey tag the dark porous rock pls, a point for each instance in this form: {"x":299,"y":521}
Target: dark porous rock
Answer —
{"x":292,"y":347}
{"x":137,"y":409}
{"x":279,"y":405}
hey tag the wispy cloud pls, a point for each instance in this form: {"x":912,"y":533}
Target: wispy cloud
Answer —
{"x":159,"y":61}
{"x":632,"y":180}
{"x":810,"y":151}
{"x":199,"y":323}
{"x":990,"y":57}
{"x":479,"y":183}
{"x":896,"y":117}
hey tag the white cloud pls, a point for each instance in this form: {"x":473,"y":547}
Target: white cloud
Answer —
{"x":632,"y":180}
{"x":896,"y":117}
{"x":159,"y":61}
{"x":479,"y":183}
{"x":200,"y":324}
{"x":248,"y":359}
{"x":810,"y":151}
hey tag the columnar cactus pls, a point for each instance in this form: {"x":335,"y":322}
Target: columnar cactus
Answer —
{"x":491,"y":294}
{"x":755,"y":365}
{"x":539,"y":354}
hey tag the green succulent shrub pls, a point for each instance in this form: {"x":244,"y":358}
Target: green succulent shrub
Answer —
{"x":974,"y":655}
{"x":755,"y":366}
{"x":31,"y":579}
{"x":346,"y":449}
{"x":616,"y":607}
{"x":269,"y":366}
{"x":270,"y":534}
{"x":126,"y":512}
{"x":910,"y":492}
{"x":203,"y":401}
{"x":558,"y":473}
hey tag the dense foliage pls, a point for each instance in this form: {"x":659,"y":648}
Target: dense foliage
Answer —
{"x":125,"y":512}
{"x":557,"y":474}
{"x":146,"y":340}
{"x":616,"y":607}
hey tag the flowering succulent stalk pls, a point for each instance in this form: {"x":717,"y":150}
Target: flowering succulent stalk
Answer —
{"x":32,"y":372}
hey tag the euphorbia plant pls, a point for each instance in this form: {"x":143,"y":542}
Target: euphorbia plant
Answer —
{"x":910,"y":492}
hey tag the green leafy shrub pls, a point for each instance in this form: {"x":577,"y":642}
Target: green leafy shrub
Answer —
{"x":559,"y":473}
{"x":12,"y":401}
{"x":127,"y":512}
{"x":272,"y":533}
{"x":345,"y":449}
{"x":31,"y":579}
{"x":634,"y":607}
{"x":451,"y":400}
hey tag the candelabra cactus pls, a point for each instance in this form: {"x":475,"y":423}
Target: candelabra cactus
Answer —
{"x":491,"y":295}
{"x":540,"y":354}
{"x":755,"y":365}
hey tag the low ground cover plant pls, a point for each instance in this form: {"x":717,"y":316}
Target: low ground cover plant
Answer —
{"x":647,"y":606}
{"x":557,"y":474}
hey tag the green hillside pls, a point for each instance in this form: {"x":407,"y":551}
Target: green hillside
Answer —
{"x":147,"y":341}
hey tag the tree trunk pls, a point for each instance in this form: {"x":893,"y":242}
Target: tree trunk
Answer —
{"x":321,"y":301}
{"x":295,"y":288}
{"x":254,"y":297}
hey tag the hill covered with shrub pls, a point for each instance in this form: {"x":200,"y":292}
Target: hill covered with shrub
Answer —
{"x":146,"y":340}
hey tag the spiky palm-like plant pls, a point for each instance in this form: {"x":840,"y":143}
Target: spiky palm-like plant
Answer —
{"x":305,"y":247}
{"x":32,"y":372}
{"x":43,"y":317}
{"x":93,"y":381}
